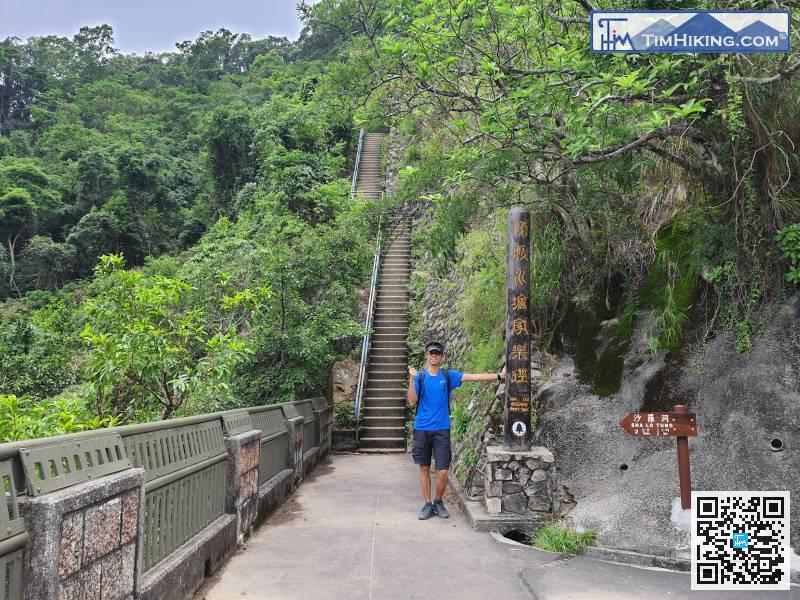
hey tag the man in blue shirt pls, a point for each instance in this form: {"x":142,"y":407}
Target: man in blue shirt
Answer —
{"x":431,"y":390}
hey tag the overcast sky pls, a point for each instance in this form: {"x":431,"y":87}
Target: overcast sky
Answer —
{"x":155,"y":25}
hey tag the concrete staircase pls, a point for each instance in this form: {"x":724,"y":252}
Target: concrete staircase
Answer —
{"x":370,"y":174}
{"x":383,"y":416}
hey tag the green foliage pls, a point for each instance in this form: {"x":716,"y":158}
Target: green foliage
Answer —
{"x":548,"y":260}
{"x":24,"y":419}
{"x":470,"y":458}
{"x":484,"y":300}
{"x":788,"y":240}
{"x":345,"y":415}
{"x":151,"y":349}
{"x":670,"y":286}
{"x":217,"y":174}
{"x":562,"y":539}
{"x":38,"y":347}
{"x":461,"y":421}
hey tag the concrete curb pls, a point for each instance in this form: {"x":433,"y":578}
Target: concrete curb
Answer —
{"x":626,"y":557}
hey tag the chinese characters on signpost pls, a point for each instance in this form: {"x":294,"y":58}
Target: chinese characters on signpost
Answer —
{"x":517,"y":415}
{"x":679,"y":424}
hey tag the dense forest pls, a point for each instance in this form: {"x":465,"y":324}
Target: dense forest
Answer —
{"x":178,"y":235}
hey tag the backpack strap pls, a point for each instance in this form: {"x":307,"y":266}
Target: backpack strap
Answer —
{"x":420,"y":377}
{"x":447,"y":382}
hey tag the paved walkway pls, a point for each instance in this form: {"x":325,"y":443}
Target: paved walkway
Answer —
{"x":351,"y":532}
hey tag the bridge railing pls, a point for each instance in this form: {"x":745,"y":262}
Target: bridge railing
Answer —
{"x":13,"y":536}
{"x":154,"y":507}
{"x":184,"y":462}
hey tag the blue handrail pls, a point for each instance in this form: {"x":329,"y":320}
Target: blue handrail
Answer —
{"x":362,"y":369}
{"x":358,"y":163}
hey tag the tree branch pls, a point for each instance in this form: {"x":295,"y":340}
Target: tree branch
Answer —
{"x":658,"y":134}
{"x":779,"y":76}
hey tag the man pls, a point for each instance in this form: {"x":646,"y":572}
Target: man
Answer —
{"x":432,"y":423}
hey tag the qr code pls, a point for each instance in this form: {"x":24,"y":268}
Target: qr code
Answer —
{"x":740,"y":540}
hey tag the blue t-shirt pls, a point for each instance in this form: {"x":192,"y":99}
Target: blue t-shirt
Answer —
{"x":433,"y":409}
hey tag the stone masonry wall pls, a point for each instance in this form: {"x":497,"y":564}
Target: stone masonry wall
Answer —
{"x":84,"y":539}
{"x":244,"y":452}
{"x":523,"y":483}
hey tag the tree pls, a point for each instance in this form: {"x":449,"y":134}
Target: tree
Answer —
{"x":97,"y":233}
{"x":150,"y":348}
{"x":17,"y":213}
{"x":230,"y":138}
{"x":95,"y":45}
{"x":47,"y":262}
{"x":28,"y":175}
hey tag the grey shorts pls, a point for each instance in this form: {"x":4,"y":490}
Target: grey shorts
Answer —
{"x":436,"y":443}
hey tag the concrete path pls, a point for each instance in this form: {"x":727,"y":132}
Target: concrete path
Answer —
{"x":351,"y":532}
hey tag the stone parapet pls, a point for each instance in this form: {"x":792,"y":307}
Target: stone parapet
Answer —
{"x":84,"y":539}
{"x":522,"y":483}
{"x":241,"y":479}
{"x":294,"y":425}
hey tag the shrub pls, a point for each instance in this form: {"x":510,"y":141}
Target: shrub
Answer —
{"x":558,"y":538}
{"x":788,"y":240}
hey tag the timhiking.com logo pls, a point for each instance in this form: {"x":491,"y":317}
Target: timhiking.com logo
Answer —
{"x":689,"y":31}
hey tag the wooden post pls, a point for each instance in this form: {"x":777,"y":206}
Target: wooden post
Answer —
{"x":684,"y":474}
{"x":517,"y":413}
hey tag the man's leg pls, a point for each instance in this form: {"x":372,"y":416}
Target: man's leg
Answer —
{"x":441,"y":483}
{"x":425,"y":481}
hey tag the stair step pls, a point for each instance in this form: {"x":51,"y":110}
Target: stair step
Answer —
{"x":392,"y":422}
{"x":382,"y":432}
{"x":382,"y":443}
{"x":386,"y":411}
{"x":389,"y":403}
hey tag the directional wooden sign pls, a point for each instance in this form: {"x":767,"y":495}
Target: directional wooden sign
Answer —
{"x":660,"y":424}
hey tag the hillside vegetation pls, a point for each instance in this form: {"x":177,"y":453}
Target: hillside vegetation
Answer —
{"x":662,"y":187}
{"x":178,"y":234}
{"x":212,"y":182}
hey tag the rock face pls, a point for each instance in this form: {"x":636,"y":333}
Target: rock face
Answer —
{"x":749,"y":434}
{"x":344,"y":379}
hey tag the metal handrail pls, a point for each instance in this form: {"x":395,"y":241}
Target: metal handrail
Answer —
{"x":358,"y":163}
{"x":362,"y":369}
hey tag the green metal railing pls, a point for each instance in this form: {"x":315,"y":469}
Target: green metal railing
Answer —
{"x":306,"y":410}
{"x":13,"y":537}
{"x":274,"y":441}
{"x":185,"y":464}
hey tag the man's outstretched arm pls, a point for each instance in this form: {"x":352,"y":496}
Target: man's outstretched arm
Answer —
{"x":484,"y":376}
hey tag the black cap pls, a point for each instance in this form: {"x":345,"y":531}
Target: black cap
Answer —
{"x":434,"y":346}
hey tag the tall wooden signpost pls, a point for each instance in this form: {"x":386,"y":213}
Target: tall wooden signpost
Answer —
{"x":517,"y":414}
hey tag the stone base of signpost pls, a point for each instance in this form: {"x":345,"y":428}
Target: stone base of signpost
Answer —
{"x":520,"y":483}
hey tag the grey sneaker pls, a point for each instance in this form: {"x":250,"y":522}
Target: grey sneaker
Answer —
{"x":439,"y":509}
{"x":427,"y":511}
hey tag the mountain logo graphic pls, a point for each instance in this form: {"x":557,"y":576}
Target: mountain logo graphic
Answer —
{"x":690,"y":31}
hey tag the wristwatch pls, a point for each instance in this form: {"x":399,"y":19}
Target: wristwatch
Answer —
{"x":499,"y":379}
